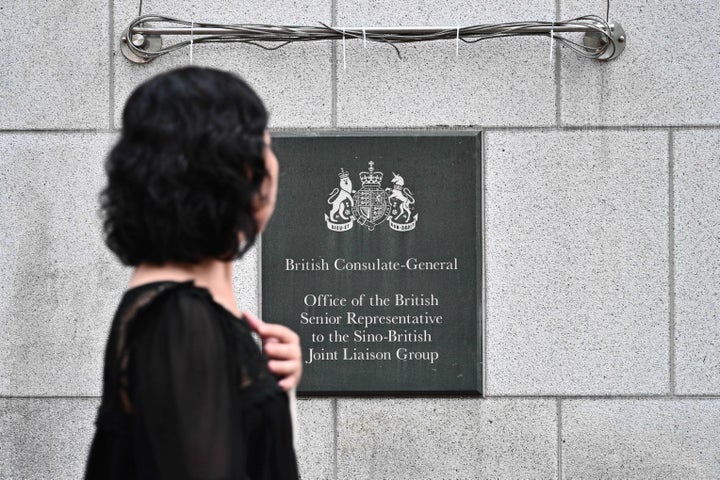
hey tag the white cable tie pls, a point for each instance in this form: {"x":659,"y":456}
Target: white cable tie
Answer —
{"x":192,"y":33}
{"x":552,"y":40}
{"x":344,"y":62}
{"x":457,"y":42}
{"x":364,"y":38}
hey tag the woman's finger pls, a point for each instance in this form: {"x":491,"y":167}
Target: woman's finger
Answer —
{"x":254,"y":322}
{"x":283,"y":367}
{"x":271,"y":330}
{"x":282,"y":351}
{"x":281,"y":332}
{"x":282,"y":347}
{"x":290,"y":382}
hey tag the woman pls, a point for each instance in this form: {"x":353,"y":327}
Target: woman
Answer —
{"x":186,"y":392}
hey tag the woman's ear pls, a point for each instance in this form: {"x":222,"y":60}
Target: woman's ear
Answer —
{"x":264,"y":201}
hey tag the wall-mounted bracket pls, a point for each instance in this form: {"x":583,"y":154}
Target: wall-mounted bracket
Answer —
{"x":617,"y":39}
{"x":144,"y":43}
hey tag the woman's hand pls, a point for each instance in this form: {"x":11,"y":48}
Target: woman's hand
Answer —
{"x":282,"y":346}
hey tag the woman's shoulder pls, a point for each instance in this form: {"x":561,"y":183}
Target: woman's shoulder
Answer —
{"x":184,"y":310}
{"x":173,"y":294}
{"x":163,"y":305}
{"x":184,"y":320}
{"x":163,"y":286}
{"x":166,"y":294}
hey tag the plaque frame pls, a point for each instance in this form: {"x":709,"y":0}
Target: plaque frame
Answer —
{"x":283,"y":144}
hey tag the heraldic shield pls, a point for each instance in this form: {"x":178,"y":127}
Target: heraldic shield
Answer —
{"x":370,"y":205}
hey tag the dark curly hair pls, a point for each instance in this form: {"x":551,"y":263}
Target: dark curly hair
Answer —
{"x":184,"y":178}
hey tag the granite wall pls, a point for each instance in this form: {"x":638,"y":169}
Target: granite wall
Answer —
{"x":602,"y":227}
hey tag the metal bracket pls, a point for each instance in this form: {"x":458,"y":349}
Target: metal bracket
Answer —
{"x":148,"y":43}
{"x":618,"y":39}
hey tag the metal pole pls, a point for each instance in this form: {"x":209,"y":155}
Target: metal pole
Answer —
{"x":358,"y":31}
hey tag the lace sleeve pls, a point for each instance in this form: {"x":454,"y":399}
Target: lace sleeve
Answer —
{"x":181,"y":389}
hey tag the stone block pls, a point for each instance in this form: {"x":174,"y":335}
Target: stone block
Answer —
{"x":667,"y":74}
{"x":576,"y":241}
{"x":697,"y":262}
{"x":507,"y":81}
{"x":314,"y":439}
{"x":294,"y":81}
{"x":56,"y":64}
{"x":639,"y":439}
{"x":246,"y":273}
{"x":446,"y":438}
{"x":60,"y":284}
{"x":45,"y":438}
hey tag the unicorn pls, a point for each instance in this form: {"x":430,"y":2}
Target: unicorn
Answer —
{"x":402,"y":194}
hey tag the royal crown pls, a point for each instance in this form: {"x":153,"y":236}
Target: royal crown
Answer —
{"x":371,"y":177}
{"x":343,"y":173}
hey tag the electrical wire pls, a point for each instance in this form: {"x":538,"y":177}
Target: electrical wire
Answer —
{"x":273,"y":37}
{"x":607,"y":12}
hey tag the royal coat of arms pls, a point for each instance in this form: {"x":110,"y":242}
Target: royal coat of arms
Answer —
{"x":371,"y":205}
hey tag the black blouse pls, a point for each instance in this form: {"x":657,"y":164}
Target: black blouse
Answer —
{"x":187,"y":394}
